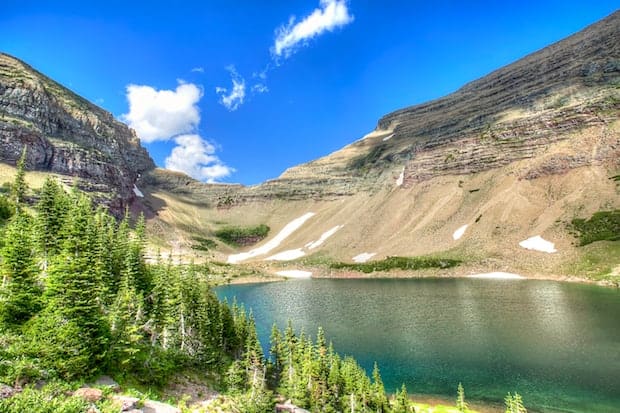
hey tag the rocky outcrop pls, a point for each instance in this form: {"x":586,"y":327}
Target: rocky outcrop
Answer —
{"x":517,"y":112}
{"x":68,"y":135}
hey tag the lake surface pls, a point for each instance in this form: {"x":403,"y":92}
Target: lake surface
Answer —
{"x":557,"y":344}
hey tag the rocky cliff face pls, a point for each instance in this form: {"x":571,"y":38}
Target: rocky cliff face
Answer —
{"x":68,"y":135}
{"x":517,"y":112}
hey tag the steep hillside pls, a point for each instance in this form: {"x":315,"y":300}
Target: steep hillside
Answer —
{"x":67,"y":135}
{"x":514,"y":155}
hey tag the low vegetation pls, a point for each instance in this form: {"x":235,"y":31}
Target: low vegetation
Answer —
{"x":242,"y":236}
{"x":398,"y":263}
{"x":204,"y":244}
{"x":602,"y":226}
{"x":78,"y":300}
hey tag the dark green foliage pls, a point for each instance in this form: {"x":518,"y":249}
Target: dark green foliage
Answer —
{"x":364,"y":162}
{"x":20,"y":291}
{"x":242,"y":236}
{"x":19,"y":187}
{"x":401,"y":263}
{"x":602,"y":226}
{"x":204,"y":244}
{"x":53,"y":398}
{"x":6,"y":208}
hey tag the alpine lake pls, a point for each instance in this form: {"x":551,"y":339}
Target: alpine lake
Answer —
{"x":557,"y":344}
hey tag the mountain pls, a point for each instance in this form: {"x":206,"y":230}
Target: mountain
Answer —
{"x":67,"y":135}
{"x":515,"y":155}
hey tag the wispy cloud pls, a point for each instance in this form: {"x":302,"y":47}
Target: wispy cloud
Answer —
{"x":158,"y":115}
{"x":260,"y":88}
{"x":234,"y":98}
{"x":196,"y":157}
{"x":198,"y":69}
{"x":330,"y":15}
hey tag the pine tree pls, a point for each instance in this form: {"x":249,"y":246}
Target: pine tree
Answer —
{"x":73,"y":288}
{"x":379,"y":398}
{"x":401,"y":401}
{"x":460,"y":399}
{"x":514,"y":403}
{"x":126,"y":325}
{"x":19,"y":187}
{"x":51,"y":209}
{"x":20,"y":293}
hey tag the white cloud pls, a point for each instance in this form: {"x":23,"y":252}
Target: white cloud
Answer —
{"x":235,"y":98}
{"x":162,"y":114}
{"x":196,"y":157}
{"x":260,"y":88}
{"x":198,"y":69}
{"x":331,"y":15}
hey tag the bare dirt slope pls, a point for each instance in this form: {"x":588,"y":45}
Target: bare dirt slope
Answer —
{"x":516,"y":154}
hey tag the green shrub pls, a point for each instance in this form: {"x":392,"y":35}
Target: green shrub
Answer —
{"x":204,"y":244}
{"x":241,"y":236}
{"x":53,"y":398}
{"x":602,"y":226}
{"x":6,"y":208}
{"x":401,"y":263}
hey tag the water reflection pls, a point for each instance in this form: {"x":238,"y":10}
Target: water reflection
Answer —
{"x":557,"y":344}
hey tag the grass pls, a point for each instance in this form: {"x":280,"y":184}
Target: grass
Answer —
{"x":596,"y":262}
{"x":204,"y":244}
{"x":602,"y":226}
{"x":242,"y":236}
{"x":400,"y":263}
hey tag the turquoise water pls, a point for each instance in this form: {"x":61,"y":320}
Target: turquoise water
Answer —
{"x":557,"y":344}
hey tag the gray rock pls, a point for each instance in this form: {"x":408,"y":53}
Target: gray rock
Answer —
{"x":6,"y":391}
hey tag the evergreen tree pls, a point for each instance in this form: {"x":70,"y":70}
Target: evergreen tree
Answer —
{"x":20,"y":291}
{"x":51,"y":209}
{"x":19,"y":187}
{"x":460,"y":399}
{"x":514,"y":403}
{"x":401,"y":401}
{"x":73,"y":288}
{"x":126,"y":325}
{"x":379,"y":402}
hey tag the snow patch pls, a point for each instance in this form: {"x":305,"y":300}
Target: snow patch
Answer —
{"x":326,"y":234}
{"x":537,"y":243}
{"x":272,"y":243}
{"x":287,"y":255}
{"x":295,"y":274}
{"x":363,"y":257}
{"x":137,"y":191}
{"x":387,"y":138}
{"x":459,"y":232}
{"x":401,"y":177}
{"x":498,"y":276}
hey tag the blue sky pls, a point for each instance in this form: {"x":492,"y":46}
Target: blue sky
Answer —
{"x":238,"y":91}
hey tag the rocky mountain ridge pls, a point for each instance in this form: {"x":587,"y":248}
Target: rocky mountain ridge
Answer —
{"x":67,"y":135}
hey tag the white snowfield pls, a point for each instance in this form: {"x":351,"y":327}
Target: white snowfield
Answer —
{"x":387,"y":138}
{"x":291,"y":227}
{"x":137,"y":191}
{"x":295,"y":274}
{"x":498,"y":276}
{"x":459,"y":232}
{"x":537,"y":243}
{"x":401,"y":178}
{"x":363,"y":257}
{"x":287,"y":255}
{"x":326,"y":234}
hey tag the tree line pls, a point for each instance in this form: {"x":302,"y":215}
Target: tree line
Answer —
{"x":78,"y":299}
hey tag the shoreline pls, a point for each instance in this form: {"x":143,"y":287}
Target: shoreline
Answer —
{"x":323,"y":273}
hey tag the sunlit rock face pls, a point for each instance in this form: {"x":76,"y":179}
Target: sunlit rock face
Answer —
{"x":68,"y":135}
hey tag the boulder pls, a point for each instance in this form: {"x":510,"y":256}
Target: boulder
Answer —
{"x":89,"y":394}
